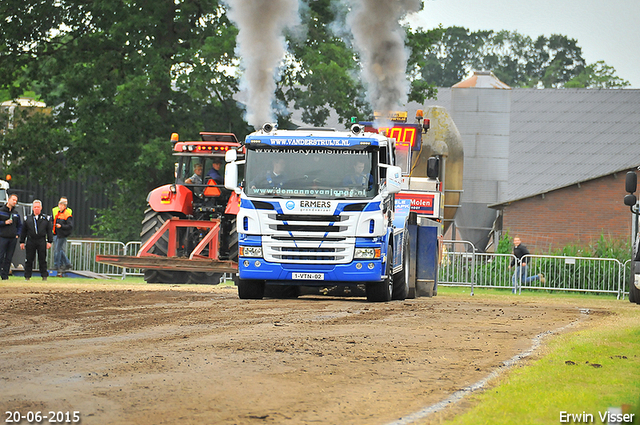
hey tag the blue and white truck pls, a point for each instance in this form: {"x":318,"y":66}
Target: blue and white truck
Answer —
{"x":317,"y":209}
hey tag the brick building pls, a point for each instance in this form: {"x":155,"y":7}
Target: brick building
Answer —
{"x":575,"y":214}
{"x":569,"y":153}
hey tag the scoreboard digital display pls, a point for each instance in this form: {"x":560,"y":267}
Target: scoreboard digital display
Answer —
{"x":408,"y":135}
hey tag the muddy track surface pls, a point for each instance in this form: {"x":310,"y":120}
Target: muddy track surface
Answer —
{"x":169,"y":355}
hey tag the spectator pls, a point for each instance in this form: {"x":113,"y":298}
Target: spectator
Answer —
{"x":37,"y":232}
{"x":520,"y":274}
{"x":10,"y":228}
{"x":62,"y":227}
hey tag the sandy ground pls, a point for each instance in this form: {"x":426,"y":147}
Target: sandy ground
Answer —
{"x":167,"y":355}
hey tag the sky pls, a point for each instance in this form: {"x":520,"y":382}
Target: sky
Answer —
{"x":605,"y":30}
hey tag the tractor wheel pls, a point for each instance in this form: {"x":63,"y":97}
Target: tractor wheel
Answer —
{"x":401,"y":280}
{"x":228,"y":238}
{"x":164,"y":276}
{"x":204,"y":278}
{"x":382,"y":291}
{"x":152,"y":221}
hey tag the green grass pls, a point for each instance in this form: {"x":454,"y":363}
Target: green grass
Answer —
{"x":526,"y":293}
{"x":538,"y":391}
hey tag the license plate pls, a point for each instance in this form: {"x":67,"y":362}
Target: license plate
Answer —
{"x":308,"y":276}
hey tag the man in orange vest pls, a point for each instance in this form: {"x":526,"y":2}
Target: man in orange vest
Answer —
{"x":62,"y":225}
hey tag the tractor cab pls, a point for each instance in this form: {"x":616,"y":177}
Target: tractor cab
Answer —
{"x":199,"y":167}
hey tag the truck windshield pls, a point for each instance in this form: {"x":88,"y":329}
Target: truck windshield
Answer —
{"x":313,"y":173}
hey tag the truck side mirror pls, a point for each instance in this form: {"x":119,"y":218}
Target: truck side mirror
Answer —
{"x":394,"y":179}
{"x":433,"y":167}
{"x":231,"y":155}
{"x":631,"y":183}
{"x":231,"y":175}
{"x":630,"y":200}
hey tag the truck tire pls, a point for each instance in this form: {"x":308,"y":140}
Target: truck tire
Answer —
{"x":382,"y":291}
{"x":152,"y":221}
{"x":401,"y":279}
{"x":250,"y":289}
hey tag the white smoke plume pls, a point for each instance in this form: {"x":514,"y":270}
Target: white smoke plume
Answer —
{"x":379,"y":38}
{"x":261,"y":47}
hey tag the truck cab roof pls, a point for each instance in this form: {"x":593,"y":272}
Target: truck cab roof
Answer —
{"x":312,"y":137}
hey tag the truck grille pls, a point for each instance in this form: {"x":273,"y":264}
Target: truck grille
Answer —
{"x":297,"y":238}
{"x":305,"y":228}
{"x":307,"y":218}
{"x":309,"y":224}
{"x":302,"y":254}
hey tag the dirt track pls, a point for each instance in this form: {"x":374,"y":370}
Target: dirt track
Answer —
{"x":168,"y":355}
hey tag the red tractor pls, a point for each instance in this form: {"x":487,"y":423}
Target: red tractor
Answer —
{"x":189,"y":230}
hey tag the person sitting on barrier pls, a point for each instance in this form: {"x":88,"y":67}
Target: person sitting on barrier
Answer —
{"x":520,"y":274}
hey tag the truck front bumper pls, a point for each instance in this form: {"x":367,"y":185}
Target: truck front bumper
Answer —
{"x":358,"y":271}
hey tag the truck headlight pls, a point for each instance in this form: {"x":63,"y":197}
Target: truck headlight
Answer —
{"x":250,"y":251}
{"x":367,"y":253}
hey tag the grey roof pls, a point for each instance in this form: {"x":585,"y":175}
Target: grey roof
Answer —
{"x":563,"y":137}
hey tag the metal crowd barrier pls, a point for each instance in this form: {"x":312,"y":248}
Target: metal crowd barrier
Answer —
{"x":457,"y":264}
{"x":82,"y":255}
{"x":461,"y":265}
{"x":132,"y":248}
{"x":581,"y":274}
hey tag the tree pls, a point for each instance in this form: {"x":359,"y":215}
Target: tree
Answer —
{"x":321,"y":71}
{"x":597,"y":76}
{"x":452,"y":53}
{"x":443,"y":57}
{"x":122,"y":75}
{"x":511,"y":57}
{"x":558,"y":60}
{"x":418,"y":43}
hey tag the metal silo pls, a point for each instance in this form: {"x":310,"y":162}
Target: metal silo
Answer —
{"x":443,"y":138}
{"x":481,"y":108}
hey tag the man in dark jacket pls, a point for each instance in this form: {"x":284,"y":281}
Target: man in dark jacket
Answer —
{"x":62,"y":219}
{"x":36,"y":230}
{"x":10,"y":227}
{"x":520,"y":274}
